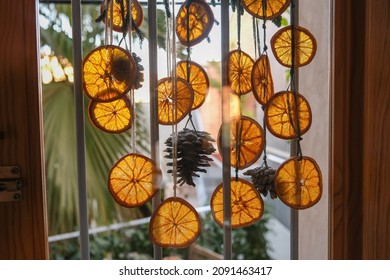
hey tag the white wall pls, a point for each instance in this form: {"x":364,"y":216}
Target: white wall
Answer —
{"x":314,"y":85}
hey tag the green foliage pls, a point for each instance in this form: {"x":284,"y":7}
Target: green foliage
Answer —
{"x":249,"y":243}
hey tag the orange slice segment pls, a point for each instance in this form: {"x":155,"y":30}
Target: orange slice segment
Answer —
{"x":273,"y":9}
{"x":197,"y":77}
{"x":108,"y":73}
{"x":247,"y":137}
{"x":262,"y":82}
{"x":200,"y":19}
{"x":133,"y":180}
{"x":305,"y":46}
{"x":239,"y":71}
{"x":280,"y":115}
{"x":111,"y":117}
{"x":174,"y":224}
{"x":184,"y":96}
{"x":247,"y":206}
{"x":117,"y":22}
{"x":298,"y":182}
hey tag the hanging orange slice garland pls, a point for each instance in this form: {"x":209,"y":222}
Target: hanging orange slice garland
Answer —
{"x":247,"y":206}
{"x":298,"y":182}
{"x":273,"y":9}
{"x":108,"y":73}
{"x":137,"y":14}
{"x":133,"y":179}
{"x":111,"y":117}
{"x":200,"y":22}
{"x":174,"y":224}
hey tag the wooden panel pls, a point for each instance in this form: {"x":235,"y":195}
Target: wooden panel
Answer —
{"x":347,"y":133}
{"x":376,"y":203}
{"x":23,"y":228}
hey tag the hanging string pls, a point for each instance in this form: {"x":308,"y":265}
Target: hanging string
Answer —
{"x":265,"y":47}
{"x":188,"y":5}
{"x":293,"y":85}
{"x":255,"y":36}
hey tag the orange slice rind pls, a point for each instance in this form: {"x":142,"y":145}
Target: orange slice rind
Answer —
{"x":174,"y":224}
{"x":247,"y":136}
{"x":108,"y":73}
{"x":133,"y":180}
{"x":198,"y":79}
{"x":298,"y":182}
{"x":181,"y":97}
{"x":262,"y":82}
{"x":111,"y":117}
{"x":273,"y":9}
{"x":117,"y":22}
{"x":305,"y":46}
{"x":247,"y":206}
{"x":201,"y":21}
{"x":280,"y":115}
{"x":239,"y":71}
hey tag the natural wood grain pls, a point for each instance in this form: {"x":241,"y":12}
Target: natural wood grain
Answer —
{"x":347,"y":141}
{"x":376,"y":203}
{"x":23,"y":227}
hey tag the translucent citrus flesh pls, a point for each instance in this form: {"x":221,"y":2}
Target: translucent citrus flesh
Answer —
{"x":174,"y":224}
{"x":262,"y":82}
{"x":280,"y":115}
{"x":117,"y":22}
{"x":305,"y":46}
{"x":239,"y":71}
{"x":298,"y":182}
{"x":246,"y":204}
{"x":197,"y":78}
{"x":248,"y":136}
{"x":274,"y":8}
{"x":108,"y":73}
{"x":111,"y":117}
{"x":133,"y":180}
{"x":184,"y":97}
{"x":201,"y":20}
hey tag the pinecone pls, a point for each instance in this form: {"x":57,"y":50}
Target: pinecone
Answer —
{"x":263,"y":179}
{"x":139,"y":78}
{"x":193,"y":148}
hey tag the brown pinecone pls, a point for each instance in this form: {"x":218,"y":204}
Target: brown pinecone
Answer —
{"x":193,"y":148}
{"x":263,"y":179}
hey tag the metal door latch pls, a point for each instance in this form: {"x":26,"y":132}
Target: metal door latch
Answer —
{"x":10,"y":183}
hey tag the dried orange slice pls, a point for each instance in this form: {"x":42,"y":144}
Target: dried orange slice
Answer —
{"x":117,"y":22}
{"x":182,"y":97}
{"x":112,"y":117}
{"x":247,"y":137}
{"x":133,"y":180}
{"x":262,"y":82}
{"x":108,"y":73}
{"x":200,"y":19}
{"x":174,"y":224}
{"x":197,"y":77}
{"x":298,"y":182}
{"x":280,"y":115}
{"x":305,"y":46}
{"x":247,"y":206}
{"x":273,"y":9}
{"x":239,"y":71}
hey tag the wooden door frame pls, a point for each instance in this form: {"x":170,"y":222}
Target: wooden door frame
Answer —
{"x":360,"y":156}
{"x":23,"y":224}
